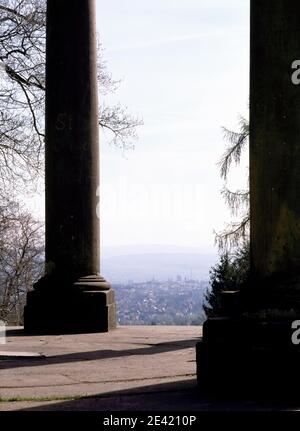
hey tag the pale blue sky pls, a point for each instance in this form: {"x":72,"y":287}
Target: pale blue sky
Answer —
{"x":184,"y":67}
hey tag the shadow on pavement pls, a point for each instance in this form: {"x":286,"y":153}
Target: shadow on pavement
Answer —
{"x":178,"y":396}
{"x":17,"y":332}
{"x":100,"y":354}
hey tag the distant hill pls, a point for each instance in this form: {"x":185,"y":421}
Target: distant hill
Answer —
{"x":161,"y":265}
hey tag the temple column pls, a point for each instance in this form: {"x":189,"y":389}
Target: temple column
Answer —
{"x":72,"y":296}
{"x":250,"y":344}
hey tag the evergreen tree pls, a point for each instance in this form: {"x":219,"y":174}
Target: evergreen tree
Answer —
{"x":231,"y":273}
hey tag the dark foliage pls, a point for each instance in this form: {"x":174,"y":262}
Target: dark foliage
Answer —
{"x":230,"y":273}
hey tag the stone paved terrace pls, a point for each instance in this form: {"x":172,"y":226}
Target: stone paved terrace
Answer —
{"x":130,"y":368}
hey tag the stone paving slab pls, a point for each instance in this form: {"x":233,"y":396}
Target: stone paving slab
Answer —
{"x":131,"y":368}
{"x":128,"y":358}
{"x":176,"y":396}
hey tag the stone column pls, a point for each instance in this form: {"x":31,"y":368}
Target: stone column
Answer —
{"x":275,"y":143}
{"x":72,"y":296}
{"x":250,"y":345}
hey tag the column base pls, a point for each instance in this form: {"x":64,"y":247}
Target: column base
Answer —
{"x":250,"y":354}
{"x":69,"y":310}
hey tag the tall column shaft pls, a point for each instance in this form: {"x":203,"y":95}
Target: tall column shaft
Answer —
{"x":72,"y":140}
{"x":253,"y":334}
{"x":275,"y":140}
{"x":72,"y":296}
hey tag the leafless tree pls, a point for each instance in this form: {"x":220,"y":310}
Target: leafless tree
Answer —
{"x":22,"y":93}
{"x":21,"y":258}
{"x":22,"y":104}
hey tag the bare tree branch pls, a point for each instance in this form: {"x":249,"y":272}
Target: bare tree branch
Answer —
{"x":22,"y":94}
{"x":22,"y":106}
{"x":21,"y":258}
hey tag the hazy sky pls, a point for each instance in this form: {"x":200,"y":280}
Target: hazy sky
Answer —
{"x":184,"y":67}
{"x":184,"y":70}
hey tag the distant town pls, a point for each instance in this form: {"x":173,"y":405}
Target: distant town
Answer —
{"x":154,"y":302}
